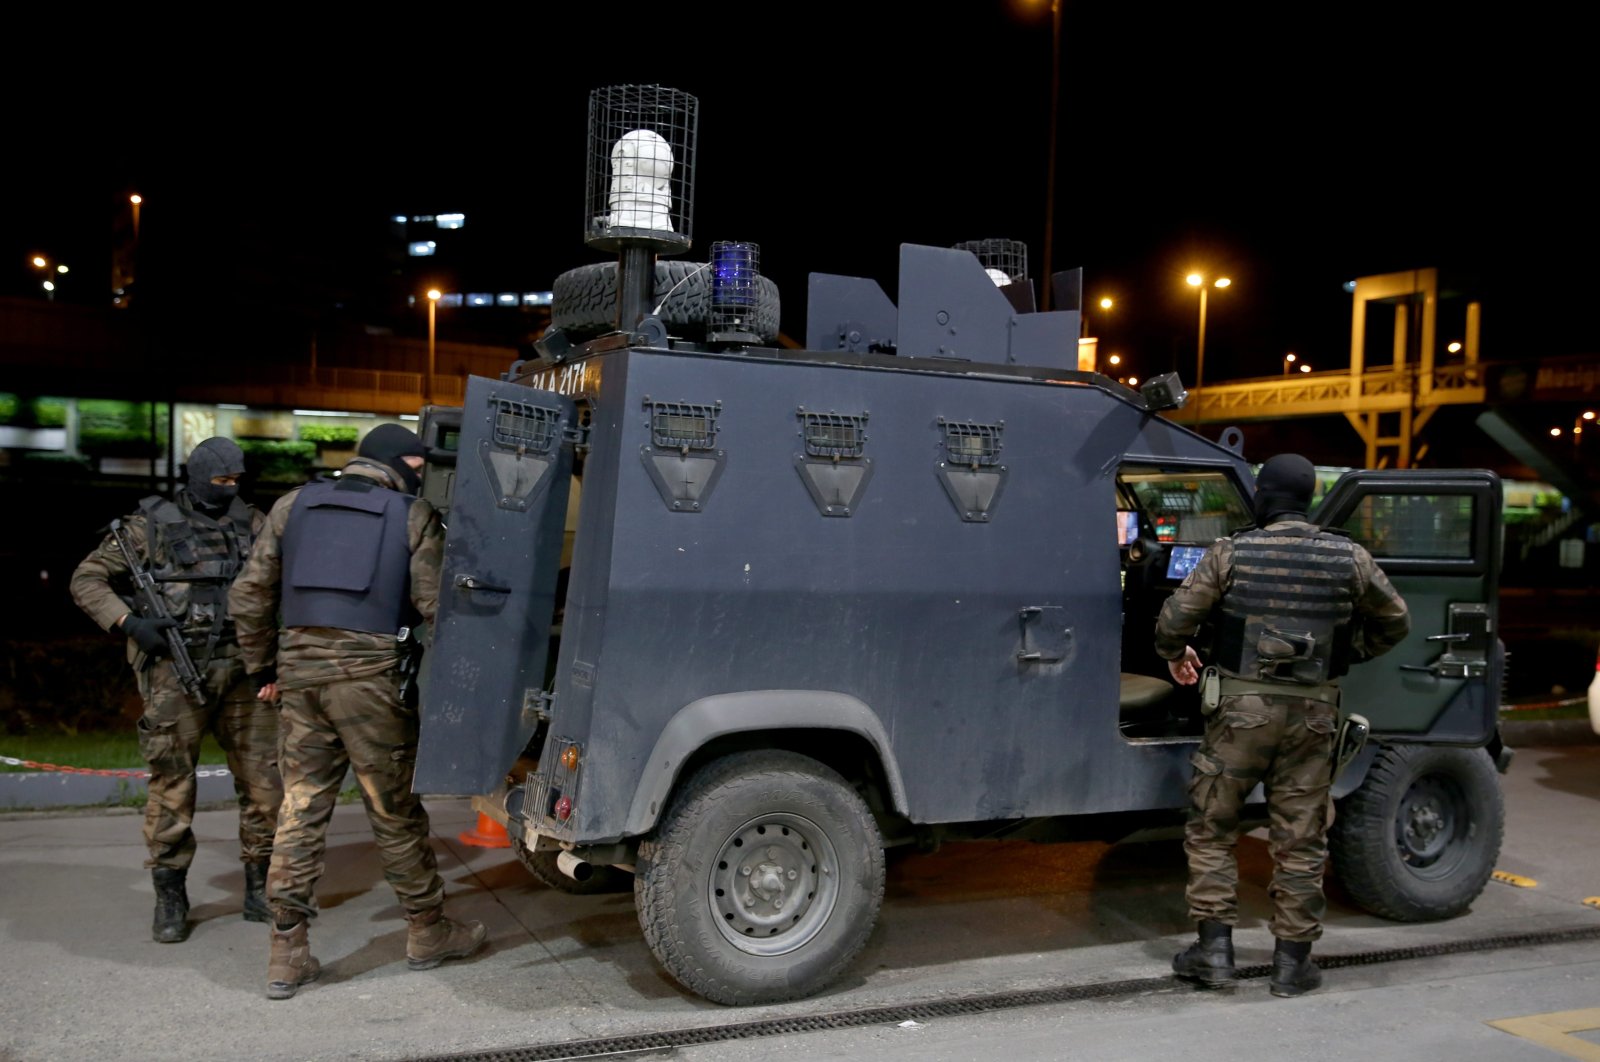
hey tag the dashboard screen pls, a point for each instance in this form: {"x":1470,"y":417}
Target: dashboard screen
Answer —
{"x":1182,"y":561}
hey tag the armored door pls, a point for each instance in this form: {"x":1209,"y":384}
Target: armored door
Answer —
{"x":1437,"y":535}
{"x":491,"y":637}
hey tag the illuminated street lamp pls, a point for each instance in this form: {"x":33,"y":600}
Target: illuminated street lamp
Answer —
{"x":136,"y":199}
{"x":1196,"y":280}
{"x":1577,"y":426}
{"x":51,"y":271}
{"x":1106,"y":303}
{"x":1305,"y":366}
{"x":427,"y":384}
{"x":1288,"y":360}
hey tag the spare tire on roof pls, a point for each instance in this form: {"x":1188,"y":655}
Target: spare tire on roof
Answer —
{"x":583,"y":301}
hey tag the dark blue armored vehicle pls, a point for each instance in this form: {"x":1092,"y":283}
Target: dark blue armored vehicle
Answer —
{"x":726,"y":619}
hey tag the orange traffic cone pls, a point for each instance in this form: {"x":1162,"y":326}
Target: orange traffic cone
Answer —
{"x":487,"y":834}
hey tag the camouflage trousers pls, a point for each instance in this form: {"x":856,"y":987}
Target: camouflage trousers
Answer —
{"x":170,"y":732}
{"x":357,"y":724}
{"x":1284,"y":743}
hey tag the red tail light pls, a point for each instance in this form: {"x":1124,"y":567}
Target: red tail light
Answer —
{"x":564,"y":808}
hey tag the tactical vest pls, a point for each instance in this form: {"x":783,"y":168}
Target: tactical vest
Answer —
{"x":1286,"y":613}
{"x":193,"y":558}
{"x":347,"y":558}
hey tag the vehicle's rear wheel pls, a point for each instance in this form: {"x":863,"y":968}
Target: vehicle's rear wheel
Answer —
{"x":583,"y":301}
{"x":542,"y":865}
{"x":1418,"y":839}
{"x":763,"y":880}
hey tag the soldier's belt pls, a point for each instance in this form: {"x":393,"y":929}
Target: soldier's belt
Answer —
{"x":1234,"y":687}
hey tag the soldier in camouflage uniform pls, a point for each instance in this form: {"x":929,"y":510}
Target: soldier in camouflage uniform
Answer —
{"x":349,"y":562}
{"x":1293,"y":605}
{"x":193,"y":545}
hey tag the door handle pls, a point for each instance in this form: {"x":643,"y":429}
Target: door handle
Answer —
{"x":1463,"y":637}
{"x":1449,"y":670}
{"x":470,"y":582}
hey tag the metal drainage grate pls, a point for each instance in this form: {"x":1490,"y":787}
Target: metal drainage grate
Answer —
{"x":947,"y":1008}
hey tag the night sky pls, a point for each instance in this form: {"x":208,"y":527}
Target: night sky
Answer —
{"x":1292,"y":147}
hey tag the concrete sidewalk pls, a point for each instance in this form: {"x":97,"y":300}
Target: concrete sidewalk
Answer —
{"x":83,"y":980}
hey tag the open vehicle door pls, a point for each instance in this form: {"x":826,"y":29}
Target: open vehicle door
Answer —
{"x":491,"y":637}
{"x":1437,"y":534}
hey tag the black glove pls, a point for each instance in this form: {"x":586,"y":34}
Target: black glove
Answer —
{"x":150,"y":635}
{"x":264,"y":678}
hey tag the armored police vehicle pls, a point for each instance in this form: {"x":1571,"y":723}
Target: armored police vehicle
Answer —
{"x":895,"y":587}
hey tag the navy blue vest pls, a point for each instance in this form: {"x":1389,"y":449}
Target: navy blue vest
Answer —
{"x":347,"y":558}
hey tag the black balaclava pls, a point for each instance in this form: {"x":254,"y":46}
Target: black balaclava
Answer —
{"x":214,"y":457}
{"x":1284,"y":486}
{"x":387,"y":444}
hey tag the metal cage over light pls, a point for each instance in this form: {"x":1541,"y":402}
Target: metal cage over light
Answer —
{"x":639,"y":185}
{"x":1006,"y":261}
{"x":735,"y":291}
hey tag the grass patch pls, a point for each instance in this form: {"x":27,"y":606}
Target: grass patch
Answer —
{"x":99,"y":752}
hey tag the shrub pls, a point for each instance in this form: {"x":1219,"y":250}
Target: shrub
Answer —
{"x":111,"y":427}
{"x":66,"y":685}
{"x":279,"y":460}
{"x":328,"y":433}
{"x":33,"y":412}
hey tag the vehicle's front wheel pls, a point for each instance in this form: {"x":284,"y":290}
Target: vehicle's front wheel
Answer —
{"x":1418,"y":839}
{"x":542,"y":865}
{"x":763,"y":880}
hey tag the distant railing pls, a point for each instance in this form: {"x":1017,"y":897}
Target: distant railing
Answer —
{"x":1380,"y":390}
{"x":358,"y":390}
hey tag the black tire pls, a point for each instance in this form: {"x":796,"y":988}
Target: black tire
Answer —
{"x":542,"y":865}
{"x":1418,"y":839}
{"x":763,"y":880}
{"x":583,"y":301}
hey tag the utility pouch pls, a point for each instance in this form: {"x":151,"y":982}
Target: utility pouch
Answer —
{"x":1210,"y":689}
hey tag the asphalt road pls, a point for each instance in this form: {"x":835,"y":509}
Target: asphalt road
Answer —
{"x":81,"y":978}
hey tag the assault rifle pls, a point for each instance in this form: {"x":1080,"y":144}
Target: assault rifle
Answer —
{"x":148,"y":603}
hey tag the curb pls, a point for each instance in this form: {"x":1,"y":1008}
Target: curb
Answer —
{"x":51,"y":790}
{"x":57,"y":789}
{"x":1533,"y":733}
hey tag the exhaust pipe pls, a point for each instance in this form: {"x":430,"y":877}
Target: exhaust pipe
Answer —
{"x":573,"y":867}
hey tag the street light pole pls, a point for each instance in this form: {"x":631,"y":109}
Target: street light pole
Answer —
{"x":427,"y":383}
{"x":1198,"y":281}
{"x":1050,"y":166}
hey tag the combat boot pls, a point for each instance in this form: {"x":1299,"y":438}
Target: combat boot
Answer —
{"x":1293,"y":972}
{"x":433,"y":938}
{"x":171,"y":925}
{"x":1209,"y":960}
{"x":255,"y":892}
{"x":290,"y":964}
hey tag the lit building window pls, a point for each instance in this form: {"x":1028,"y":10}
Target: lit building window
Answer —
{"x":422,"y":248}
{"x":452,"y":298}
{"x":452,"y":221}
{"x":479,"y":299}
{"x":537,"y":298}
{"x":507,"y":298}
